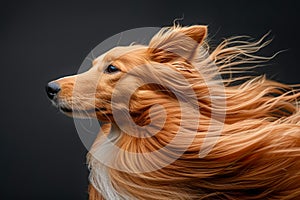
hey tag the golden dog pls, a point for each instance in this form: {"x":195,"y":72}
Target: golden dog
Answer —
{"x":255,"y":154}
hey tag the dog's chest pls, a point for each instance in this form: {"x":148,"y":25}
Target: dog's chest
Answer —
{"x":101,"y":180}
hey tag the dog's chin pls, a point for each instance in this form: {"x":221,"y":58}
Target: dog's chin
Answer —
{"x":82,"y":113}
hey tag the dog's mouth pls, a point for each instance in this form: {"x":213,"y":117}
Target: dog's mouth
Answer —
{"x":70,"y":110}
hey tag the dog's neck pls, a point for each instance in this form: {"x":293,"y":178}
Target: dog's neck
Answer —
{"x":99,"y":172}
{"x":102,"y":175}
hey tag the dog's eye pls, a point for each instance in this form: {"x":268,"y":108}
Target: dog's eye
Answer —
{"x":111,"y":69}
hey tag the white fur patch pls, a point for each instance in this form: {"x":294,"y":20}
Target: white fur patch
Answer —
{"x":100,"y":179}
{"x":99,"y":175}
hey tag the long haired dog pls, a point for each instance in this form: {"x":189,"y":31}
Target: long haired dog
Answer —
{"x":179,"y":124}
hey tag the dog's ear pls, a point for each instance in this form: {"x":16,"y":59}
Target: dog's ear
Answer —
{"x":176,"y":43}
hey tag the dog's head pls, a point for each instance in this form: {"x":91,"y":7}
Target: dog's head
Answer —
{"x":90,"y":94}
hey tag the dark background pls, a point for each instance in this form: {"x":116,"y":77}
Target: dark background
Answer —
{"x":41,"y":154}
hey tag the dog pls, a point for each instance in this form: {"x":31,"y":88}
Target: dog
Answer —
{"x":178,"y":123}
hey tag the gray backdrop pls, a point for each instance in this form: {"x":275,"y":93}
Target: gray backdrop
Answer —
{"x":41,"y":154}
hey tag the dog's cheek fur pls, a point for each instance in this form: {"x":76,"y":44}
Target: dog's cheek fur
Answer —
{"x":103,"y":96}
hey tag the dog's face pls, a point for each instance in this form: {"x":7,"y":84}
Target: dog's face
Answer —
{"x":89,"y":94}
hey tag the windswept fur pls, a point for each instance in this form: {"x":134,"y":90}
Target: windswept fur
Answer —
{"x":257,"y":154}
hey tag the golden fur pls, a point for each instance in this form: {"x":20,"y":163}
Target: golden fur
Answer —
{"x":256,"y":156}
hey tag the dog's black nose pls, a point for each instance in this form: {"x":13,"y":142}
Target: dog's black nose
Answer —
{"x":52,"y":89}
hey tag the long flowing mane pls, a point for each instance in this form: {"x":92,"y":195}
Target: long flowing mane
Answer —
{"x":257,"y":154}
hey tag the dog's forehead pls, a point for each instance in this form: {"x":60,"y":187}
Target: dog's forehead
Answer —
{"x":117,"y":52}
{"x":120,"y":51}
